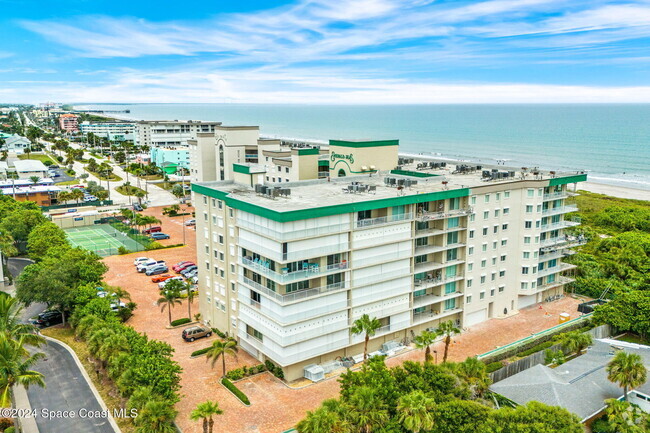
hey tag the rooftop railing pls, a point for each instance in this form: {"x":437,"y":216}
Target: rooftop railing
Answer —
{"x":429,"y":215}
{"x":299,"y":295}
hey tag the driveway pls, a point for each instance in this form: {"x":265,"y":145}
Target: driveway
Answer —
{"x":66,"y":387}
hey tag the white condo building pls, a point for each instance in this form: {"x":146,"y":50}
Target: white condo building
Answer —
{"x":287,"y":268}
{"x":114,"y":131}
{"x":170,"y":133}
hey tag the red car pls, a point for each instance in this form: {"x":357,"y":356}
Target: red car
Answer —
{"x":185,"y":266}
{"x":161,"y":278}
{"x":152,"y":229}
{"x":179,"y":264}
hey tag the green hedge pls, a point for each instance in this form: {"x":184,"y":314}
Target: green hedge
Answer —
{"x":536,"y":349}
{"x":238,"y":393}
{"x":494,"y":366}
{"x":182,"y":321}
{"x":201,"y":351}
{"x":240,"y":373}
{"x":276,"y":370}
{"x":219,"y":333}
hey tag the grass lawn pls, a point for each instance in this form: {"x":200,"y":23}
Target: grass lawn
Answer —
{"x":68,"y":182}
{"x":151,"y":177}
{"x":128,"y":189}
{"x":106,"y":390}
{"x":37,"y":157}
{"x":167,"y":185}
{"x":632,"y":338}
{"x":114,"y":177}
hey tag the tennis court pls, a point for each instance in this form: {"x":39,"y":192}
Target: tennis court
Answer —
{"x":102,"y":239}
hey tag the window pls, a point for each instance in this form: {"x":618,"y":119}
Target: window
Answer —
{"x":495,"y":229}
{"x":486,"y":214}
{"x":452,"y":254}
{"x":481,"y":295}
{"x":214,"y":202}
{"x":524,"y":285}
{"x":232,"y":268}
{"x":493,"y":276}
{"x":497,"y":212}
{"x":483,"y":263}
{"x":472,"y":218}
{"x":491,"y":292}
{"x":471,"y":234}
{"x":454,"y":203}
{"x":531,"y":193}
{"x":207,"y":249}
{"x":504,"y":242}
{"x":524,"y":270}
{"x":485,"y":231}
{"x":469,"y":282}
{"x":205,"y":216}
{"x":473,"y":200}
{"x":216,"y":270}
{"x":526,"y":254}
{"x":220,"y":204}
{"x":498,"y":196}
{"x":231,"y":213}
{"x":502,"y":274}
{"x":450,"y":304}
{"x":494,"y":245}
{"x":484,"y":247}
{"x":526,"y":239}
{"x":504,"y":226}
{"x":450,"y":288}
{"x":539,"y":208}
{"x":421,"y":259}
{"x":468,"y":299}
{"x":221,"y":256}
{"x":221,"y":239}
{"x":207,"y":265}
{"x":482,"y":279}
{"x":470,"y":251}
{"x":528,"y":224}
{"x":503,"y":258}
{"x":494,"y":261}
{"x":487,"y":198}
{"x":470,"y":267}
{"x":506,"y":194}
{"x":452,"y":222}
{"x":501,"y":289}
{"x":221,"y":273}
{"x":232,"y":287}
{"x":506,"y":210}
{"x":205,"y":200}
{"x":529,"y":208}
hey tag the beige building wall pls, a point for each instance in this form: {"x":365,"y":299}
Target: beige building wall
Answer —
{"x":203,"y":158}
{"x":357,"y":157}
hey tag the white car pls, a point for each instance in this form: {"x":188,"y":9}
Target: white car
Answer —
{"x":143,"y":266}
{"x":139,"y":260}
{"x":191,"y":222}
{"x":162,"y":284}
{"x":115,"y":306}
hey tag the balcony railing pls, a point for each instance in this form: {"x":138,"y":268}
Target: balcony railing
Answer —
{"x":425,"y":283}
{"x":429,"y":266}
{"x":432,"y":232}
{"x":559,"y":225}
{"x":556,"y":195}
{"x":313,"y":271}
{"x":294,"y":234}
{"x":429,"y":216}
{"x":299,"y":295}
{"x":560,"y":209}
{"x":563,"y":241}
{"x":379,"y":221}
{"x":428,"y":249}
{"x":431,"y":298}
{"x":425,"y":316}
{"x":555,"y":269}
{"x":558,"y":282}
{"x":295,"y":255}
{"x":285,"y":318}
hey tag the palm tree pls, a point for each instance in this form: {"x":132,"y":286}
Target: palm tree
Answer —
{"x":204,"y":411}
{"x":76,"y":194}
{"x":367,"y":410}
{"x":157,"y":416}
{"x":34,"y":179}
{"x":365,"y":324}
{"x":15,"y":367}
{"x":424,"y":341}
{"x":10,"y":323}
{"x":190,"y":298}
{"x":112,"y":347}
{"x":627,"y":371}
{"x":575,"y":341}
{"x":323,"y":420}
{"x":168,"y":299}
{"x":101,"y":195}
{"x":415,"y":411}
{"x":447,"y":329}
{"x":474,"y":373}
{"x":140,"y":195}
{"x":119,"y":293}
{"x":622,"y":417}
{"x":220,"y":349}
{"x":63,"y":196}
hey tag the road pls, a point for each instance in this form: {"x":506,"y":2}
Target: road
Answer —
{"x":66,"y":388}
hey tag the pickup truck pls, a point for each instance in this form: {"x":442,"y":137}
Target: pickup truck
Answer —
{"x":142,"y":267}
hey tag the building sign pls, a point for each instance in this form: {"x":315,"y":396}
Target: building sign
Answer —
{"x":79,"y":218}
{"x":348,"y":157}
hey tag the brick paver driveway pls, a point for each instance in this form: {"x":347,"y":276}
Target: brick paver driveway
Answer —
{"x":275,"y":407}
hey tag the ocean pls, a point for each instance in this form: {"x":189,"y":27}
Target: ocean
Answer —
{"x":609,"y":141}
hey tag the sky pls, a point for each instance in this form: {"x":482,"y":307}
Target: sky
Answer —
{"x":325,"y":51}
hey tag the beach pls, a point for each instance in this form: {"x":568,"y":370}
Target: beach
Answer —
{"x":615,"y":191}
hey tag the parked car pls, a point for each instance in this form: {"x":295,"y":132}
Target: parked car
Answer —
{"x":152,"y":229}
{"x":195,"y":280}
{"x":191,"y":274}
{"x":181,"y":268}
{"x":158,"y":236}
{"x":115,"y":306}
{"x":142,"y":267}
{"x":90,"y":198}
{"x":191,"y":222}
{"x":161,"y":278}
{"x":54,"y":166}
{"x":137,"y":207}
{"x":188,"y":270}
{"x":77,"y":187}
{"x":194,"y":332}
{"x":179,"y":264}
{"x":139,"y":260}
{"x":162,"y":285}
{"x":156,"y":269}
{"x":48,"y":318}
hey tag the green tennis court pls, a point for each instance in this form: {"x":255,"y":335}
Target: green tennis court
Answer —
{"x":102,"y":239}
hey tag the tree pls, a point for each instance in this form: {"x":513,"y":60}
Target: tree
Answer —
{"x":76,"y":194}
{"x":11,"y":325}
{"x":15,"y":367}
{"x":220,"y":349}
{"x":140,"y":195}
{"x":34,"y":179}
{"x":167,"y":300}
{"x":156,"y":417}
{"x":367,"y":410}
{"x":21,"y":222}
{"x":575,"y":341}
{"x":623,"y":417}
{"x":447,"y":329}
{"x":63,"y":196}
{"x":191,"y":294}
{"x":534,"y":417}
{"x":424,"y":341}
{"x":43,"y":237}
{"x":627,"y":371}
{"x":415,"y":411}
{"x":323,"y":420}
{"x":101,"y":195}
{"x":204,"y":412}
{"x":366,"y":325}
{"x":178,"y":191}
{"x":474,"y":373}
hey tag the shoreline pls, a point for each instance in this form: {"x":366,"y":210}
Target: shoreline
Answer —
{"x":615,"y":190}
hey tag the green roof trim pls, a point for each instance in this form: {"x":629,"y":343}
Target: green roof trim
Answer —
{"x":323,"y":163}
{"x":337,"y":209}
{"x":312,"y":151}
{"x":412,"y":173}
{"x":240,"y":168}
{"x":361,"y":144}
{"x":567,"y":179}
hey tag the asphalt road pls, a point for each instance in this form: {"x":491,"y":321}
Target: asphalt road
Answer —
{"x":62,"y":177}
{"x":66,"y":388}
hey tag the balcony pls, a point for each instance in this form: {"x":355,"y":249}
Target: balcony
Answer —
{"x":433,"y":232}
{"x":299,"y":295}
{"x":560,"y":281}
{"x":293,"y":255}
{"x":313,"y":271}
{"x":430,"y":216}
{"x":557,"y":195}
{"x":380,"y":258}
{"x":555,"y":269}
{"x":560,"y":210}
{"x":285,"y":318}
{"x":429,"y":299}
{"x":429,"y":249}
{"x":562,"y":242}
{"x":427,"y":316}
{"x":559,"y":225}
{"x":432,"y":282}
{"x":430,"y":266}
{"x":295,"y":234}
{"x":380,"y":221}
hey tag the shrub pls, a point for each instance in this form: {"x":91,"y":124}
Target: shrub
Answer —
{"x":554,"y":357}
{"x":154,"y":246}
{"x":494,"y":366}
{"x":240,"y":373}
{"x":47,"y":163}
{"x":123,"y":250}
{"x":235,"y":374}
{"x":179,"y":322}
{"x":536,"y":349}
{"x":200,"y":351}
{"x":59,"y":158}
{"x":219,"y":333}
{"x":238,"y":393}
{"x":11,"y":429}
{"x":276,"y":370}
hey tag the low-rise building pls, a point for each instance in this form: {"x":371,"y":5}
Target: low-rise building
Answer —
{"x":14,"y":143}
{"x":170,"y":159}
{"x":41,"y":195}
{"x":27,"y":168}
{"x":114,"y":130}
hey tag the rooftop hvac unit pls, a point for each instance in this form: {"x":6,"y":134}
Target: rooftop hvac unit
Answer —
{"x":486,"y":173}
{"x":511,"y":173}
{"x":264,"y":189}
{"x":392,"y":181}
{"x":479,"y":167}
{"x":258,"y":188}
{"x":400,"y":182}
{"x":407,"y":183}
{"x":414,"y":182}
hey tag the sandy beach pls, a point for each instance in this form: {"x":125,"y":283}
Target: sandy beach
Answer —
{"x":615,"y":191}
